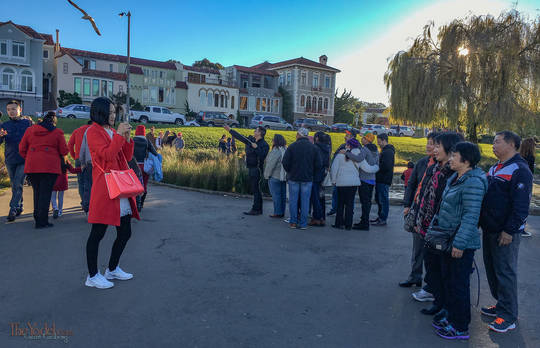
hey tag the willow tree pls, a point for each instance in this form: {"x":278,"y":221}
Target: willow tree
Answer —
{"x":477,"y":73}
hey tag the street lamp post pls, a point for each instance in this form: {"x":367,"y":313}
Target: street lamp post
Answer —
{"x":128,"y":14}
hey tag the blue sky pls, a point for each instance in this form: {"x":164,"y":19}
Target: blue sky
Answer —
{"x":237,"y":32}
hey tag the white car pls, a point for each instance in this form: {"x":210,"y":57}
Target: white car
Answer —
{"x":192,"y":123}
{"x":157,"y":114}
{"x":74,"y":111}
{"x":404,"y":131}
{"x":374,"y":128}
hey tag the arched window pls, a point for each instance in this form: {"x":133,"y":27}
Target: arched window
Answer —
{"x":210,"y":98}
{"x":326,"y":103}
{"x":203,"y":97}
{"x":302,"y":101}
{"x":8,"y":78}
{"x":308,"y":102}
{"x":232,"y":102}
{"x":216,"y":100}
{"x":27,"y":80}
{"x":320,"y":104}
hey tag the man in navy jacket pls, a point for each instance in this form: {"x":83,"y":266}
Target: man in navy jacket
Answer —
{"x":503,"y":217}
{"x":11,"y":132}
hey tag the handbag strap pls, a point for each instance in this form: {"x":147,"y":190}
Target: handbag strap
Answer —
{"x":123,"y":156}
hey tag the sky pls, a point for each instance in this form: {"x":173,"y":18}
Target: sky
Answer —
{"x":357,"y":36}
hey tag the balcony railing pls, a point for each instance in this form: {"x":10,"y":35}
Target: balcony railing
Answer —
{"x":212,"y":81}
{"x":16,"y":88}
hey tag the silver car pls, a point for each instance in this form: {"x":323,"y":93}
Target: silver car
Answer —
{"x":270,"y":122}
{"x":74,"y":111}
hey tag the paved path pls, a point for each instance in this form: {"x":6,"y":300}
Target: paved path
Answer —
{"x":206,"y":276}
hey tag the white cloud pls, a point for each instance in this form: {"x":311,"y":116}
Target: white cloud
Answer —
{"x":363,"y":68}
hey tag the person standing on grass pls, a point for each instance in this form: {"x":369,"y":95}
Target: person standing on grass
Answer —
{"x":110,"y":150}
{"x":301,"y":161}
{"x":11,"y":132}
{"x":256,"y":152}
{"x":504,"y":214}
{"x":42,"y":146}
{"x":84,"y":177}
{"x":222,"y":145}
{"x":178,"y":143}
{"x":151,"y":137}
{"x":384,"y":179}
{"x":276,"y":175}
{"x":61,"y":185}
{"x":159,"y":139}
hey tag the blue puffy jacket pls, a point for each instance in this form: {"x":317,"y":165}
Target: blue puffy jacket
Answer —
{"x":15,"y":131}
{"x":460,"y":206}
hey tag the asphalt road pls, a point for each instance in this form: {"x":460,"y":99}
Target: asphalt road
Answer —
{"x":206,"y":276}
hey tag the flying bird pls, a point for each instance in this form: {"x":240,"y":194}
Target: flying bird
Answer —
{"x":86,"y":16}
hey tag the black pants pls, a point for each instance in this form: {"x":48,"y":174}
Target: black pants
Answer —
{"x":344,"y":211}
{"x":123,"y":233}
{"x":42,"y":184}
{"x":457,"y":284}
{"x":434,"y":276}
{"x":365,"y":193}
{"x":255,"y":184}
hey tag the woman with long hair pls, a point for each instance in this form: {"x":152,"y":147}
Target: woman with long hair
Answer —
{"x":528,"y":151}
{"x":110,"y":150}
{"x":276,"y":175}
{"x":322,"y":142}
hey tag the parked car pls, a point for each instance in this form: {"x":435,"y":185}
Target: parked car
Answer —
{"x":157,"y":114}
{"x":374,"y":128}
{"x":403,"y":131}
{"x":215,"y":118}
{"x":270,"y":122}
{"x":312,"y":124}
{"x":342,"y":127}
{"x":192,"y":123}
{"x":74,"y":111}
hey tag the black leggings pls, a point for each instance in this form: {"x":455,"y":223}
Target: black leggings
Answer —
{"x":123,"y":233}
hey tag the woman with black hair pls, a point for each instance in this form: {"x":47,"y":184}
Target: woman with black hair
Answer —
{"x":43,"y":146}
{"x":322,"y":142}
{"x":276,"y":175}
{"x":110,"y":150}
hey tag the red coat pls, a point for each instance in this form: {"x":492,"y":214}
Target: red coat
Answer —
{"x":42,"y":150}
{"x":61,"y":183}
{"x":107,"y":154}
{"x":75,"y":141}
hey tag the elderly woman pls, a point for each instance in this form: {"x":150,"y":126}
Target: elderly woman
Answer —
{"x":110,"y":150}
{"x":459,"y":213}
{"x":42,"y":146}
{"x":276,"y":175}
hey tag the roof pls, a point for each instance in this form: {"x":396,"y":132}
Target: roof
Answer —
{"x":181,"y":84}
{"x":32,"y":33}
{"x":296,"y":61}
{"x":201,"y":69}
{"x":104,"y":74}
{"x":119,"y":58}
{"x":135,"y":70}
{"x":255,"y":70}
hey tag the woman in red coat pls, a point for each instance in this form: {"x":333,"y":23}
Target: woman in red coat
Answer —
{"x":109,"y":149}
{"x":61,"y":185}
{"x":42,"y":146}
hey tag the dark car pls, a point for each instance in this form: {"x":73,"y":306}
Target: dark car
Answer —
{"x":311,"y":124}
{"x":342,"y":127}
{"x":215,"y":118}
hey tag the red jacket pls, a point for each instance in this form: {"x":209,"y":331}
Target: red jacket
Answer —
{"x":75,"y":141}
{"x":42,"y":149}
{"x":107,"y":154}
{"x":406,"y":175}
{"x":61,"y":183}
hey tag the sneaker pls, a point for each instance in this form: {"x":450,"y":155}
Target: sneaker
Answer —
{"x":98,"y":281}
{"x":526,"y":234}
{"x":423,"y":296}
{"x":292,"y":225}
{"x":501,"y":325}
{"x":59,"y":212}
{"x":331,"y":212}
{"x":287,"y":220}
{"x":489,"y":311}
{"x":55,"y":214}
{"x":118,"y":273}
{"x":19,"y":212}
{"x":374,"y":220}
{"x":440,"y":323}
{"x":303,"y":228}
{"x":450,"y":333}
{"x":379,"y":222}
{"x":11,"y":216}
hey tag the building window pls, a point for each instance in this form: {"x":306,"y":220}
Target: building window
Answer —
{"x":326,"y":103}
{"x":302,"y":101}
{"x":289,"y":78}
{"x":202,"y":96}
{"x":308,"y":103}
{"x":45,"y":54}
{"x":315,"y":80}
{"x":145,"y":95}
{"x":86,"y":87}
{"x":258,"y":104}
{"x":161,"y":74}
{"x":222,"y":101}
{"x":319,"y":106}
{"x":232,"y":102}
{"x":120,"y":89}
{"x":65,"y":68}
{"x":255,"y":81}
{"x":276,"y":105}
{"x":110,"y":67}
{"x":77,"y":87}
{"x":304,"y":78}
{"x":210,"y":98}
{"x":327,"y":82}
{"x":160,"y":95}
{"x":153,"y":94}
{"x":3,"y":48}
{"x":95,"y":88}
{"x":93,"y":65}
{"x":243,"y":103}
{"x":18,"y":49}
{"x":263,"y":106}
{"x":216,"y":100}
{"x":8,"y":78}
{"x":281,"y":79}
{"x":226,"y":101}
{"x":266,"y":82}
{"x":26,"y":81}
{"x":111,"y":89}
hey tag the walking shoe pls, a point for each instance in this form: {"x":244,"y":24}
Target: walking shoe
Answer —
{"x":314,"y":222}
{"x":276,"y":216}
{"x":331,"y":212}
{"x":19,"y":212}
{"x":44,"y":226}
{"x":490,"y":311}
{"x":443,"y":313}
{"x":338,"y":227}
{"x":118,"y":273}
{"x":287,"y":220}
{"x":98,"y":281}
{"x":408,"y":284}
{"x":440,"y":323}
{"x":423,"y":296}
{"x":431,"y":310}
{"x":59,"y":212}
{"x":501,"y":325}
{"x":525,"y":233}
{"x":292,"y":225}
{"x":253,"y":212}
{"x":11,"y":216}
{"x":361,"y":227}
{"x":303,"y":228}
{"x":374,"y":220}
{"x":55,"y":214}
{"x":379,"y":222}
{"x":450,"y":333}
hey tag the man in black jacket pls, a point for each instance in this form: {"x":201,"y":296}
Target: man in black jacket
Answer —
{"x":503,"y":216}
{"x":301,"y":161}
{"x":256,"y":151}
{"x":383,"y":179}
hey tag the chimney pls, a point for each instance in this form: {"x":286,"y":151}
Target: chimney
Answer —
{"x":57,"y":44}
{"x":323,"y":59}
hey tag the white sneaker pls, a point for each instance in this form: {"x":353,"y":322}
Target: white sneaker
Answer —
{"x":98,"y":281}
{"x":118,"y":273}
{"x":59,"y":212}
{"x":423,"y":296}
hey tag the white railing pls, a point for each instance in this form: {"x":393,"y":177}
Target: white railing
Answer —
{"x":16,"y":88}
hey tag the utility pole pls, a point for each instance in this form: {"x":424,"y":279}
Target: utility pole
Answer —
{"x":128,"y":14}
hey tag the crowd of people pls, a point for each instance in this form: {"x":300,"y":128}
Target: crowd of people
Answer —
{"x":447,"y":197}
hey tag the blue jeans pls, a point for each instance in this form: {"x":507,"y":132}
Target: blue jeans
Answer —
{"x":16,"y":177}
{"x":381,"y":196}
{"x":302,"y":190}
{"x":278,"y":190}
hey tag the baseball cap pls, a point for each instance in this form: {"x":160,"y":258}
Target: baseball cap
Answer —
{"x":303,"y":131}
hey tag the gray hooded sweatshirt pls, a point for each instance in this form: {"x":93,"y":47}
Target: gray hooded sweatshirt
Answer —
{"x":370,"y":153}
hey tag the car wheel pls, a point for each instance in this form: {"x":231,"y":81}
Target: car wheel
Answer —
{"x":267,"y":127}
{"x":374,"y":132}
{"x":401,"y":134}
{"x":210,"y":124}
{"x":389,"y":134}
{"x":143,"y":119}
{"x":179,"y":122}
{"x":289,"y":129}
{"x":232,"y":125}
{"x":71,"y":116}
